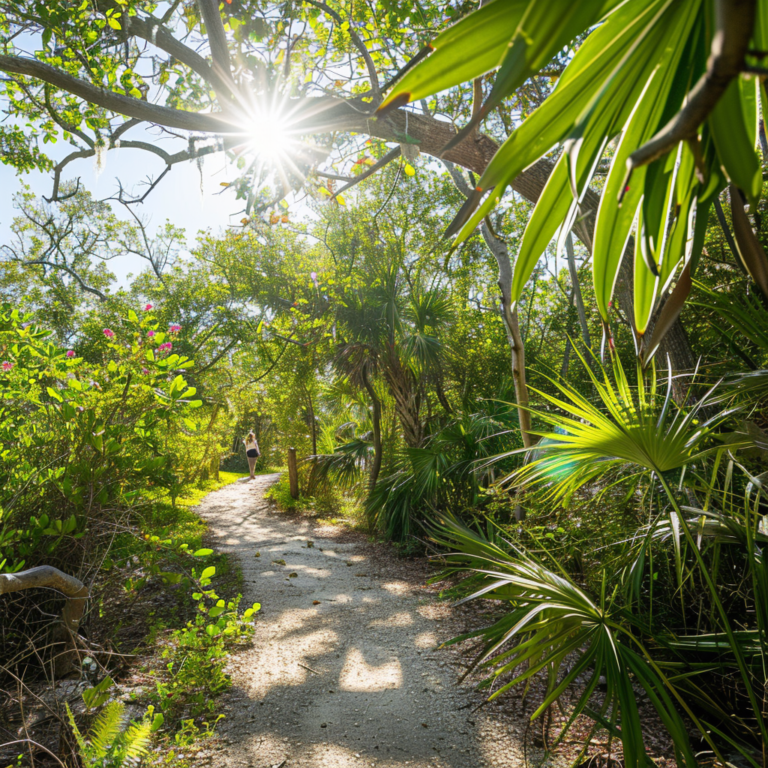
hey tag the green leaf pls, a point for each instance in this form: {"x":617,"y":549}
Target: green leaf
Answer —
{"x":614,"y":218}
{"x":470,"y":48}
{"x":600,"y":55}
{"x":96,"y":696}
{"x":733,"y":140}
{"x":203,"y":553}
{"x":208,"y":573}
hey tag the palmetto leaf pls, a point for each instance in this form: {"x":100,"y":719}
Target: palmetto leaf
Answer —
{"x":520,"y":36}
{"x":551,"y":619}
{"x":747,"y":314}
{"x":344,"y":467}
{"x":624,"y":429}
{"x":470,"y":48}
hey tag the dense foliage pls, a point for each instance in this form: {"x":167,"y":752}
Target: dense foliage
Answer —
{"x":608,"y":498}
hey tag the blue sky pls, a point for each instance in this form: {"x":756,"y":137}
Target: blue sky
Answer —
{"x":178,"y":197}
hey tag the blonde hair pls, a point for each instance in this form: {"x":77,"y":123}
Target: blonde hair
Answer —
{"x":252,"y":436}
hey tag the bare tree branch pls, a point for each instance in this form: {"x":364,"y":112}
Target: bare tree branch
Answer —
{"x":358,"y":43}
{"x":388,"y":158}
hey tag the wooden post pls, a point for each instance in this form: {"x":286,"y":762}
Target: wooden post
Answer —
{"x":293,"y":473}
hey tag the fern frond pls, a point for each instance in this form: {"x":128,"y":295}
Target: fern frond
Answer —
{"x":106,"y":728}
{"x":137,"y":740}
{"x":81,"y":743}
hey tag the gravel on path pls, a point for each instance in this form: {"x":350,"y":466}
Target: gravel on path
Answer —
{"x":344,"y":670}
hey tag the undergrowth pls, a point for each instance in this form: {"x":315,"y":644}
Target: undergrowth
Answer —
{"x":325,"y":503}
{"x":188,"y":627}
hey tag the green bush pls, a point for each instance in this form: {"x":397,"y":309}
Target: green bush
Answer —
{"x":85,"y":442}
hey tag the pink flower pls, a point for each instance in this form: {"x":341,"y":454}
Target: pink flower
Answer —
{"x":148,"y":307}
{"x":175,"y":328}
{"x":7,"y":366}
{"x":70,"y":353}
{"x":110,"y":334}
{"x":145,"y":371}
{"x":150,"y":334}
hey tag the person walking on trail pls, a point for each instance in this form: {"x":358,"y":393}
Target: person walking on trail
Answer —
{"x":252,"y":452}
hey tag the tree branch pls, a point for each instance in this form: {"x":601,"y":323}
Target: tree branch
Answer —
{"x":153,"y":32}
{"x":117,"y":102}
{"x":358,"y":43}
{"x":217,"y":39}
{"x":71,"y":272}
{"x":388,"y":158}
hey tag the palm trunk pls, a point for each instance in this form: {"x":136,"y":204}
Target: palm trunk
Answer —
{"x":407,"y":401}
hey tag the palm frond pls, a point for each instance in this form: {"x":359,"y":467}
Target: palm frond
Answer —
{"x":344,"y":467}
{"x":550,"y":619}
{"x":623,"y":429}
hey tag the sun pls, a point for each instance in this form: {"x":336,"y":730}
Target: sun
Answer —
{"x":269,"y":137}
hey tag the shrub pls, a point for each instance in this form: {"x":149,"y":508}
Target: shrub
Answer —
{"x":82,"y":441}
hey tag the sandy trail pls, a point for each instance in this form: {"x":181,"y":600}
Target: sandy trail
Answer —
{"x":344,"y":670}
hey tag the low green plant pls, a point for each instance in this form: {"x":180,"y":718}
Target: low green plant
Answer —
{"x":450,"y":471}
{"x":196,"y":653}
{"x":280,"y":494}
{"x":704,"y":516}
{"x":109,"y":743}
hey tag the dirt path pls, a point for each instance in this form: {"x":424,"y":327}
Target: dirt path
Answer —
{"x":344,"y":670}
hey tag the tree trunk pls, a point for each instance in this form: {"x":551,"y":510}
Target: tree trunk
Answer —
{"x":377,"y":449}
{"x":511,"y":323}
{"x":512,"y":326}
{"x":578,"y":299}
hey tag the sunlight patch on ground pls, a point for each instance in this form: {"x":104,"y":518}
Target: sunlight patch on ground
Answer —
{"x":358,"y":675}
{"x":426,"y":640}
{"x":402,"y":619}
{"x":397,"y":587}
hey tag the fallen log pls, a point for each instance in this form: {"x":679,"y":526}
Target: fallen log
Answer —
{"x":48,"y":577}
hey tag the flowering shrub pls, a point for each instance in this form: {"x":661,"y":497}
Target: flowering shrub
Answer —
{"x":82,"y":439}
